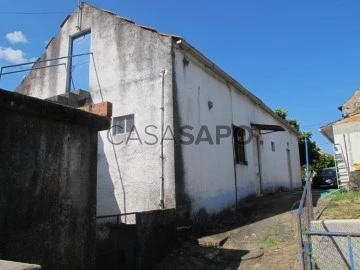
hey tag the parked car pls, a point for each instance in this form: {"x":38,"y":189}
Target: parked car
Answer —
{"x":325,"y":178}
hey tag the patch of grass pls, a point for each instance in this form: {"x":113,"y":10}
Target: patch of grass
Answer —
{"x":345,"y":205}
{"x":267,"y":242}
{"x":346,"y":196}
{"x":270,"y":240}
{"x":275,"y":230}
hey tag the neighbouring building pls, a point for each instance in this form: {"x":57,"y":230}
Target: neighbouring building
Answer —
{"x":48,"y":157}
{"x":345,"y":135}
{"x":160,"y":84}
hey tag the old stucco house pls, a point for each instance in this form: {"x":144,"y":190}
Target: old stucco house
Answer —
{"x":345,"y":135}
{"x":160,"y":84}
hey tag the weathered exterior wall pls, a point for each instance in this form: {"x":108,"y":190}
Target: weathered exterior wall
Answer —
{"x":143,"y":241}
{"x":125,"y":70}
{"x":48,"y":183}
{"x":348,"y":136}
{"x":354,"y":180}
{"x":156,"y":237}
{"x":208,"y":178}
{"x":352,"y":105}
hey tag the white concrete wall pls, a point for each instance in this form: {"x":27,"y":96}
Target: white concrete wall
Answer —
{"x":209,"y":179}
{"x":128,"y":61}
{"x":348,"y":136}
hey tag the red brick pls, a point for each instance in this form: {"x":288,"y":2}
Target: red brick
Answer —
{"x":103,"y":109}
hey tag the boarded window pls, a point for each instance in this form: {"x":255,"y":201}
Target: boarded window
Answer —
{"x":123,"y":124}
{"x":79,"y":65}
{"x":239,"y":145}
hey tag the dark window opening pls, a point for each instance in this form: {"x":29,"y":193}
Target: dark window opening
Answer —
{"x":273,"y":146}
{"x":239,"y":145}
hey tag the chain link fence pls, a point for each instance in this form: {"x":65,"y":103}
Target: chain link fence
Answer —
{"x":128,"y":218}
{"x":322,"y":246}
{"x":333,"y":250}
{"x":305,"y":215}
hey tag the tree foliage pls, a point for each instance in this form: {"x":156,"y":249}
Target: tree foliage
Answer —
{"x":317,"y":160}
{"x":324,"y":161}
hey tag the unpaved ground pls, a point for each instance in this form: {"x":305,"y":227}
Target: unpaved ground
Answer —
{"x":343,"y":206}
{"x":262,"y":234}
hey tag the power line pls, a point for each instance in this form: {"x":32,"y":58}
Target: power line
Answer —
{"x":323,"y":143}
{"x":313,"y":125}
{"x":33,"y":13}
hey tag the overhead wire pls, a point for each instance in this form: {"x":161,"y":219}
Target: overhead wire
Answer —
{"x":34,"y":13}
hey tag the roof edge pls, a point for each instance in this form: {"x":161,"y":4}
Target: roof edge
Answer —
{"x":331,"y":123}
{"x":324,"y":133}
{"x":185,"y":45}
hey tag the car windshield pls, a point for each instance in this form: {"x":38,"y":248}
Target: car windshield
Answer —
{"x":328,"y":172}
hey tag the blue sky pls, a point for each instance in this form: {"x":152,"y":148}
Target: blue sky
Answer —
{"x":302,"y":56}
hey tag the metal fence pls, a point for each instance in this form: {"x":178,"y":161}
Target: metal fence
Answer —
{"x":128,"y":218}
{"x":116,"y":241}
{"x":324,"y":249}
{"x":305,"y":215}
{"x":335,"y":250}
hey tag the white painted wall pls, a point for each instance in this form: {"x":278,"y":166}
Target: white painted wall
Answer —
{"x":209,"y":169}
{"x":348,"y":136}
{"x":125,"y":70}
{"x":128,"y":61}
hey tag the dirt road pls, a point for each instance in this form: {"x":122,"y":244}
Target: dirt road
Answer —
{"x":262,"y":234}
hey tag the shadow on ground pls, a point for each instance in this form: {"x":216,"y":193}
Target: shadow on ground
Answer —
{"x":255,"y":209}
{"x":202,"y":257}
{"x":260,"y":234}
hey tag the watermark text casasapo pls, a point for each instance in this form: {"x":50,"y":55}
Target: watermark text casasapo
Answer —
{"x":185,"y":135}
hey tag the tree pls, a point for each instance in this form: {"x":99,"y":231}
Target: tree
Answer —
{"x":324,"y":161}
{"x":316,"y":159}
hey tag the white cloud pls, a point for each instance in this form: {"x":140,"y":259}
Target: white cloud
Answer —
{"x":16,"y":37}
{"x":14,"y":56}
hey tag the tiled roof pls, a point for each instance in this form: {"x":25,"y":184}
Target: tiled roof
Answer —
{"x":354,"y":118}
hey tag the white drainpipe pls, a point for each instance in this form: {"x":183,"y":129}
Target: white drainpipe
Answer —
{"x":161,"y":202}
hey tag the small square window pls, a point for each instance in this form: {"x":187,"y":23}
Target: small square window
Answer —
{"x":122,"y":124}
{"x":273,"y":146}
